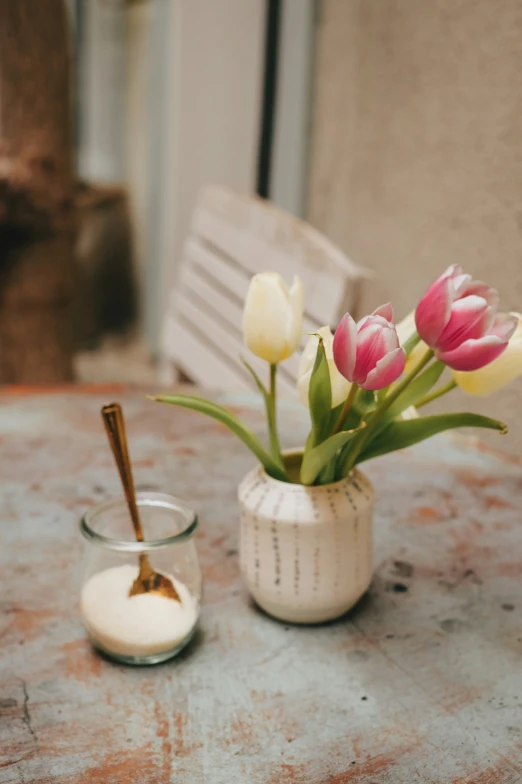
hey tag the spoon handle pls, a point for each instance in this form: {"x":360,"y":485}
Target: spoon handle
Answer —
{"x":112,"y":415}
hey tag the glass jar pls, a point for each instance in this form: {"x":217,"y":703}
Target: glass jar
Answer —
{"x":145,"y":628}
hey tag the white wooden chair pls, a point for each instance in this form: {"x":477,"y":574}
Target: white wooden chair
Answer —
{"x":232,"y":237}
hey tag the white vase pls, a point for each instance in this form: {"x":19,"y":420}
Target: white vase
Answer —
{"x":306,"y":552}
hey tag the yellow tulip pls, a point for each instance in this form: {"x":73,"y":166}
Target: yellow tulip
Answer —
{"x":273,"y":317}
{"x":405,"y":330}
{"x":498,"y":373}
{"x":340,"y":386}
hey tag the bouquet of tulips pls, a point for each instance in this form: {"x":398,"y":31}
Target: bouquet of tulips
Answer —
{"x":365,"y":384}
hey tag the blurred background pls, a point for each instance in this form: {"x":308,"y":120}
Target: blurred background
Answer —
{"x":394,"y":128}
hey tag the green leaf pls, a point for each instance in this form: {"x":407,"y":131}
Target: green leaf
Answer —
{"x":317,"y":458}
{"x":259,"y":384}
{"x":365,"y":401}
{"x":327,"y":475}
{"x":416,"y":390}
{"x":320,"y":396}
{"x":352,"y":421}
{"x":335,"y":413}
{"x":403,"y":433}
{"x":232,"y":422}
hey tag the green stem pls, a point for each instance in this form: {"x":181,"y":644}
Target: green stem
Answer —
{"x":436,"y":393}
{"x":379,"y":412}
{"x":345,"y":409}
{"x":394,"y":393}
{"x":411,"y":342}
{"x":275,"y":447}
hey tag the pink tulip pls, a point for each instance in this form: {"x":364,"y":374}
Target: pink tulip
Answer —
{"x":457,"y":317}
{"x":368,"y":353}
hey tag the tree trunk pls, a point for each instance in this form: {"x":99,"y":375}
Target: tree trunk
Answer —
{"x":36,"y":193}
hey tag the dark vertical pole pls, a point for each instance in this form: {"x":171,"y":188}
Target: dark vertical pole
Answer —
{"x":273,"y":24}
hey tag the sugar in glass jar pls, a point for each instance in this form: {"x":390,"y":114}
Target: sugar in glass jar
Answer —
{"x":146,"y":628}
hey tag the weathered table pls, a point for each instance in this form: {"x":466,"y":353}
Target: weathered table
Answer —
{"x":421,"y":683}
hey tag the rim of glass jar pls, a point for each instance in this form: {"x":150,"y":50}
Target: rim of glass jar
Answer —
{"x":143,"y":498}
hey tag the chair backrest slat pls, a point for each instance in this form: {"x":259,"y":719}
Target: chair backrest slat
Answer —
{"x":232,"y":238}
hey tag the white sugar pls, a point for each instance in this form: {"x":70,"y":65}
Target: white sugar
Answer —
{"x":135,"y":625}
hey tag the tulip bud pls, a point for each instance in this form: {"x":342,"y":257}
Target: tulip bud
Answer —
{"x":340,"y":387}
{"x":368,"y":353}
{"x":498,"y":373}
{"x":458,"y":319}
{"x":273,"y":317}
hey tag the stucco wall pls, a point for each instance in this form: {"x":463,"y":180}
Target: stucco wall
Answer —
{"x":416,"y":154}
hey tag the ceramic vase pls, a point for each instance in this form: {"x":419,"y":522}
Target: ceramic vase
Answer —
{"x":306,"y":552}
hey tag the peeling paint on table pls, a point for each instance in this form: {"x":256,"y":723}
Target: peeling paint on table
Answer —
{"x":422,"y":682}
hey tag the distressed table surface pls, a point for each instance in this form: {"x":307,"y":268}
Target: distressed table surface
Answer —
{"x":421,"y":683}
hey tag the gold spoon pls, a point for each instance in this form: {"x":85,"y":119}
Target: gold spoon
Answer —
{"x":148,"y":580}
